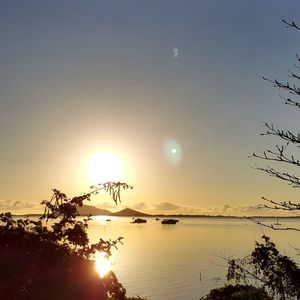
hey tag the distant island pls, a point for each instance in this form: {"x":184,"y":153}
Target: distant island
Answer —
{"x":87,"y":210}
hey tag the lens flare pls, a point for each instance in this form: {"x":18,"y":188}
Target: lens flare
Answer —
{"x":172,"y":151}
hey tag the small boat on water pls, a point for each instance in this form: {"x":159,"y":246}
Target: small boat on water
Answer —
{"x":138,"y":221}
{"x":157,"y":219}
{"x":169,"y":221}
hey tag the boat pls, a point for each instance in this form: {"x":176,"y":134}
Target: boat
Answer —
{"x":169,"y":221}
{"x":157,"y":219}
{"x":138,"y":221}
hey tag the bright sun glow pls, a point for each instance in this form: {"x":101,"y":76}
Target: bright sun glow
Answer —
{"x":103,"y":265}
{"x":104,"y":167}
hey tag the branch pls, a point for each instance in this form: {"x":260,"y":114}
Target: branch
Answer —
{"x":271,"y":226}
{"x":291,"y":102}
{"x":286,"y":135}
{"x":290,"y":24}
{"x":61,"y":205}
{"x":278,"y":156}
{"x":291,"y":88}
{"x":293,"y":180}
{"x":283,"y":205}
{"x":236,"y":264}
{"x":296,"y":249}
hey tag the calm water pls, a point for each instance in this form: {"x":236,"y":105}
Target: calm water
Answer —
{"x":182,"y":261}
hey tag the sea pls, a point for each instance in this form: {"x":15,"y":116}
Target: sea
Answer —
{"x":188,"y":259}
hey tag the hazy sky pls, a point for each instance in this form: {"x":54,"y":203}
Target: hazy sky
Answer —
{"x":138,"y":79}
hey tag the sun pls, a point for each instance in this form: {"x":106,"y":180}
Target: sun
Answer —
{"x":104,"y":167}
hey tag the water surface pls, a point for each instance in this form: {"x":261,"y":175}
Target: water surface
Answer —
{"x":182,"y":261}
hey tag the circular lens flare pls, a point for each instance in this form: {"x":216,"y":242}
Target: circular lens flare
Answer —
{"x":172,"y":151}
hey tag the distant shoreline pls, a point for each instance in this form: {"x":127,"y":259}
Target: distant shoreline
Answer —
{"x":172,"y":216}
{"x":89,"y":210}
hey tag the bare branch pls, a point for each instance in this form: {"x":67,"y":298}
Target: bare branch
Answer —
{"x":278,"y":156}
{"x":271,"y":225}
{"x":286,"y":135}
{"x":290,"y":101}
{"x":283,"y":205}
{"x":291,"y":88}
{"x":293,"y":75}
{"x":295,"y":248}
{"x":290,"y":24}
{"x":293,"y":180}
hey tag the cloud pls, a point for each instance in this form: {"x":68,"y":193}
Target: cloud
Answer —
{"x":166,"y":206}
{"x":226,"y":210}
{"x":226,"y":207}
{"x":175,"y":52}
{"x":188,"y":210}
{"x":252,"y":209}
{"x":139,"y":206}
{"x":9,"y":205}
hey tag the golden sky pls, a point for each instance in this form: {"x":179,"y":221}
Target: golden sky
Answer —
{"x":170,"y":88}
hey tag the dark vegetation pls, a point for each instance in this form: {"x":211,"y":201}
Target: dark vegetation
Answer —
{"x":277,"y":274}
{"x":51,"y":257}
{"x":237,"y":292}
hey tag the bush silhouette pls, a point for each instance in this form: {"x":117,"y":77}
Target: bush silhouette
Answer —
{"x":51,"y":258}
{"x":237,"y":292}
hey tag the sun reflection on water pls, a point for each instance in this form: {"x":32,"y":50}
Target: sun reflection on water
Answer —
{"x":102,"y":264}
{"x":103,"y":220}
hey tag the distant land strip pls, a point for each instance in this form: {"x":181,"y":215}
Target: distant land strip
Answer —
{"x":87,"y":210}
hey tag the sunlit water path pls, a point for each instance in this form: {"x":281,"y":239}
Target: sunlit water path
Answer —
{"x":182,"y":261}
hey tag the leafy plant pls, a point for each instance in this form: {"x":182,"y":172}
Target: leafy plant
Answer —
{"x":237,"y":292}
{"x":51,"y":257}
{"x":277,"y":273}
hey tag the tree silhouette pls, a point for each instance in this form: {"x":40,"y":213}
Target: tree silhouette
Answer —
{"x":237,"y":292}
{"x":51,"y":257}
{"x":267,"y":268}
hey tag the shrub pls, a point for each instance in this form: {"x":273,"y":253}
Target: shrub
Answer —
{"x":237,"y":292}
{"x":51,"y":258}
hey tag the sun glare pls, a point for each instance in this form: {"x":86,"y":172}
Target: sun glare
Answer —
{"x":104,"y":167}
{"x":103,"y":265}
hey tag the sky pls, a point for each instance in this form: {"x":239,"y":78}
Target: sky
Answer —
{"x":171,"y":88}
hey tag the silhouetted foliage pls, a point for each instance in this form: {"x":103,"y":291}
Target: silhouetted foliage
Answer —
{"x":237,"y":292}
{"x":275,"y":272}
{"x":51,"y":257}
